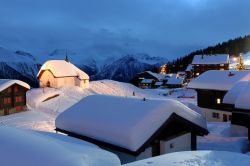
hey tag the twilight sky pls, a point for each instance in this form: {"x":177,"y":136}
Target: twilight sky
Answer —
{"x":168,"y":28}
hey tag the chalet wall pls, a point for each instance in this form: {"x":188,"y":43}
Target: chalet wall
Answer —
{"x":180,"y":143}
{"x":224,"y":116}
{"x":46,"y":77}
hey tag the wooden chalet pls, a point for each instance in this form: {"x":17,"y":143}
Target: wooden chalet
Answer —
{"x":148,"y":79}
{"x":133,"y":128}
{"x":202,"y":63}
{"x":12,"y":96}
{"x":211,"y":87}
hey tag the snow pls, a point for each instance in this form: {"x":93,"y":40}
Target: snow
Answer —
{"x":175,"y":80}
{"x":66,"y":69}
{"x":159,"y":76}
{"x":36,"y":96}
{"x":221,"y":137}
{"x":196,"y":158}
{"x":239,"y":95}
{"x":127,"y":122}
{"x":189,"y":68}
{"x":242,"y":100}
{"x":5,"y":83}
{"x":29,"y":148}
{"x":232,"y":95}
{"x":147,"y":81}
{"x":219,"y":79}
{"x":158,"y":83}
{"x":211,"y":59}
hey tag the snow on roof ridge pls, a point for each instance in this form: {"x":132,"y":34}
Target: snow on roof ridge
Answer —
{"x":219,"y":79}
{"x":61,"y":68}
{"x":211,"y":59}
{"x":5,"y":83}
{"x":139,"y":116}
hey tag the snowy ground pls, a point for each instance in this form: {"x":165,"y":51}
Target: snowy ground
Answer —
{"x":196,"y":158}
{"x":42,"y":114}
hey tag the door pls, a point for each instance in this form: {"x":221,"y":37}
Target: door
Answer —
{"x":6,"y":111}
{"x":224,"y":118}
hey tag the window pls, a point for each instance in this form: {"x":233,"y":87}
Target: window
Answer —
{"x":171,"y":145}
{"x":221,"y":64}
{"x":7,"y":100}
{"x":16,"y":89}
{"x":216,"y":115}
{"x":197,"y":74}
{"x":19,"y":108}
{"x":18,"y":99}
{"x":218,"y":101}
{"x":230,"y":117}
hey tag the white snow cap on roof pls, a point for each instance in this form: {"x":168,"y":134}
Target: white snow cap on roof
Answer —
{"x":5,"y":83}
{"x":189,"y":68}
{"x":211,"y":59}
{"x":122,"y":121}
{"x":239,"y":95}
{"x":175,"y":80}
{"x":232,"y":95}
{"x":222,"y":80}
{"x":29,"y":148}
{"x":61,"y":68}
{"x":147,"y":81}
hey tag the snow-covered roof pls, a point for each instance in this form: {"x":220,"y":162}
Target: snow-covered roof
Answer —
{"x":232,"y":95}
{"x":5,"y":83}
{"x":211,"y":59}
{"x":189,"y":68}
{"x":222,"y":80}
{"x":239,"y":95}
{"x":159,"y":76}
{"x":158,"y":83}
{"x":195,"y":158}
{"x":61,"y":68}
{"x":127,"y":122}
{"x":147,"y":81}
{"x":175,"y":80}
{"x":29,"y":148}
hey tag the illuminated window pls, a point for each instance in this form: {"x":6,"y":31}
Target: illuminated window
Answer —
{"x":7,"y":100}
{"x":221,"y":64}
{"x":19,"y":99}
{"x":197,"y":74}
{"x":218,"y":101}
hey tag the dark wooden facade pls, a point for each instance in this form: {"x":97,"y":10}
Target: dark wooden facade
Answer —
{"x":13,"y":99}
{"x":211,"y":99}
{"x":139,"y":77}
{"x":173,"y":127}
{"x":198,"y":69}
{"x":242,"y":118}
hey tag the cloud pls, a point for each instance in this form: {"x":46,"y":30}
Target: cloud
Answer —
{"x":160,"y":28}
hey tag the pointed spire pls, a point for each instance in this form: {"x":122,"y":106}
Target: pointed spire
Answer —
{"x":66,"y":57}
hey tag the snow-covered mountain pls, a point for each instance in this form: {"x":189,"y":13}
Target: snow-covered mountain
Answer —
{"x":24,"y":66}
{"x":18,"y":65}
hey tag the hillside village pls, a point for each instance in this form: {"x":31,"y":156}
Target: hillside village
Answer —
{"x":202,"y":110}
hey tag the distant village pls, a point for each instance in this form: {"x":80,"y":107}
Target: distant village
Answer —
{"x":134,"y":127}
